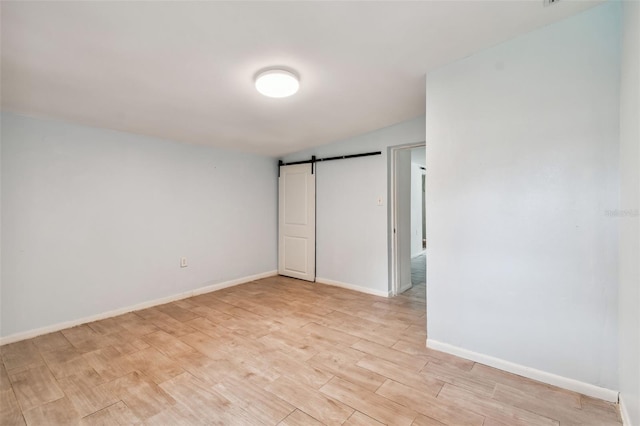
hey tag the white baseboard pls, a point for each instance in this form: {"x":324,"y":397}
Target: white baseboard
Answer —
{"x":352,"y":287}
{"x":144,"y":305}
{"x":626,"y":418}
{"x":405,"y":287}
{"x":531,"y":373}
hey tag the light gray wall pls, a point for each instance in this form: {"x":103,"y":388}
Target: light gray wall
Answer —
{"x":417,"y":159}
{"x":351,"y":227}
{"x":95,"y":220}
{"x":0,"y":225}
{"x":418,"y":156}
{"x":403,"y":212}
{"x":629,"y":315}
{"x":522,"y":162}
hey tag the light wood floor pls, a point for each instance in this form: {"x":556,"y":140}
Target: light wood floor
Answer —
{"x":274,"y":351}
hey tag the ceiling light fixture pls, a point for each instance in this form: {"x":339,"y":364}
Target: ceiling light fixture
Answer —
{"x":277,"y":83}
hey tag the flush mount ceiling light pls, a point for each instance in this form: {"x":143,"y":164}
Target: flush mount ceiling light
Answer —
{"x":277,"y":83}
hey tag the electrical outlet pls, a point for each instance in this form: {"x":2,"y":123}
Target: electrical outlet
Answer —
{"x":380,"y":201}
{"x":549,"y":2}
{"x":183,"y":262}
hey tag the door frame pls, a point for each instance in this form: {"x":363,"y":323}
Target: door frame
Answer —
{"x":392,"y":210}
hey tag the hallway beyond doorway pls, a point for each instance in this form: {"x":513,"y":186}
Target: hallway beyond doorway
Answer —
{"x":419,"y":270}
{"x":418,"y":290}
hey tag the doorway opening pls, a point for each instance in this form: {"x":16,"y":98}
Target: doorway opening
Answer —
{"x":406,"y":229}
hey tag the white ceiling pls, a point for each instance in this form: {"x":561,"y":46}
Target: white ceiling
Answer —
{"x":184,"y":70}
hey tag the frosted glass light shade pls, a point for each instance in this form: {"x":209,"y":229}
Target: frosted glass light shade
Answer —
{"x":277,"y":83}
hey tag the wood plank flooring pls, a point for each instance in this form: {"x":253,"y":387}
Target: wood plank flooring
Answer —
{"x":277,"y":351}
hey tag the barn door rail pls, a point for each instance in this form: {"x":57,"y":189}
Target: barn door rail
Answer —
{"x":314,"y":160}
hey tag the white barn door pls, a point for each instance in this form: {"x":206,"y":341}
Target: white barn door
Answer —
{"x":297,"y":222}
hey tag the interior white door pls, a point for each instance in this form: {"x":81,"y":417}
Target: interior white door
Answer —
{"x":297,"y":222}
